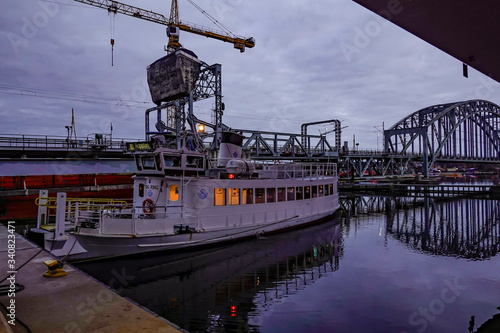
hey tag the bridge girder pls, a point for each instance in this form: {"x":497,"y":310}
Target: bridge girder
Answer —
{"x":461,"y":131}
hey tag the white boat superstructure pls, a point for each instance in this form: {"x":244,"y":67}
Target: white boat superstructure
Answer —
{"x":175,"y":212}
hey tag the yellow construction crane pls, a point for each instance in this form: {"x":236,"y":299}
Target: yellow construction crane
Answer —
{"x":174,"y":24}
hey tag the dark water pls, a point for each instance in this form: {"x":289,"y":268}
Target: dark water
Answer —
{"x":383,"y":265}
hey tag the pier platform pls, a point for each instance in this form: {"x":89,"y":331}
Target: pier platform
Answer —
{"x":72,"y":303}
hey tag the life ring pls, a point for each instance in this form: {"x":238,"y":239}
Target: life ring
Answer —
{"x":148,"y":207}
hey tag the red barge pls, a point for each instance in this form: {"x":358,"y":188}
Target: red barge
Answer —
{"x":92,"y":167}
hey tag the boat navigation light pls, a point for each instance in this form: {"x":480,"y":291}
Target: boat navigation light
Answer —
{"x":231,"y":176}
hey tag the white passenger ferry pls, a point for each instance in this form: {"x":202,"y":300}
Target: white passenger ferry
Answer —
{"x":182,"y":199}
{"x":189,"y":193}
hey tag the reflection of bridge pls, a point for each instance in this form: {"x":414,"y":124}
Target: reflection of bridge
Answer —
{"x":467,"y":228}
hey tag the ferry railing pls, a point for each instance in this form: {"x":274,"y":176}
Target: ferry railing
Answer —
{"x":72,"y":212}
{"x":155,"y":212}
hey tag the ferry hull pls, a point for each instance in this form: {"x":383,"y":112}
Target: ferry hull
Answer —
{"x":100,"y":246}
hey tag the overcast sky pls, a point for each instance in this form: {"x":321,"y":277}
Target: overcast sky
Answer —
{"x":313,"y":60}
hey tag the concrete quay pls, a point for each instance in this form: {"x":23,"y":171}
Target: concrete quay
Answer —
{"x":72,"y":303}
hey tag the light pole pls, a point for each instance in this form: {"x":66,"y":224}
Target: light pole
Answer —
{"x":67,"y":138}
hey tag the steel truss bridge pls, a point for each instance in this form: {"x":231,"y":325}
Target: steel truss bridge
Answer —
{"x":461,"y":132}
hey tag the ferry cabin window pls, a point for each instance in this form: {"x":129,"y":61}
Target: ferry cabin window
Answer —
{"x":280,"y":194}
{"x":148,"y":162}
{"x":172,"y":161}
{"x":326,"y":191}
{"x":219,"y":196}
{"x":174,"y":193}
{"x":271,"y":195}
{"x":320,"y":190}
{"x":290,"y":194}
{"x":315,"y":191}
{"x":247,"y":196}
{"x":331,"y":189}
{"x":141,"y":190}
{"x":307,"y":192}
{"x":234,"y":196}
{"x":299,"y":193}
{"x":194,"y":162}
{"x":259,"y":196}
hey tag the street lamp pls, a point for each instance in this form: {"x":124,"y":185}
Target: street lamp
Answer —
{"x":69,"y":129}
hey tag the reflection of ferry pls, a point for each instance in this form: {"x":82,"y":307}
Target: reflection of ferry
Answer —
{"x":189,"y":193}
{"x":220,"y":290}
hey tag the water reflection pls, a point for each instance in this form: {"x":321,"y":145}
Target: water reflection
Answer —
{"x":225,"y":289}
{"x":468,"y":228}
{"x":235,"y":288}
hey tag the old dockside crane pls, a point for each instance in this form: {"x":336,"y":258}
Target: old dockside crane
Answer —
{"x":180,"y":78}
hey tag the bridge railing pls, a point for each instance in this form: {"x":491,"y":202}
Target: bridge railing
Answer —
{"x":45,"y":142}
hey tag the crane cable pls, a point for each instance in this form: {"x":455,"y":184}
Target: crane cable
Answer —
{"x":214,"y":21}
{"x":112,"y":15}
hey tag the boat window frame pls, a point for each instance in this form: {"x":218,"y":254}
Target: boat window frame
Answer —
{"x":299,"y":193}
{"x":248,"y":194}
{"x":270,"y":194}
{"x":230,"y":193}
{"x":150,"y":157}
{"x":307,"y":192}
{"x":175,"y":190}
{"x":262,"y":198}
{"x":281,"y":197}
{"x":219,"y":195}
{"x":290,"y":196}
{"x":314,"y":192}
{"x":174,"y":158}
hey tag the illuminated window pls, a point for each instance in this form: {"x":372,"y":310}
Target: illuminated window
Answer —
{"x":307,"y":192}
{"x":315,"y":191}
{"x":174,"y":193}
{"x":290,"y":194}
{"x":320,"y":190}
{"x":219,"y":196}
{"x":234,"y":196}
{"x":271,"y":195}
{"x":259,"y":196}
{"x":280,"y":194}
{"x":247,"y":196}
{"x":141,"y":190}
{"x":331,"y":189}
{"x":300,"y":193}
